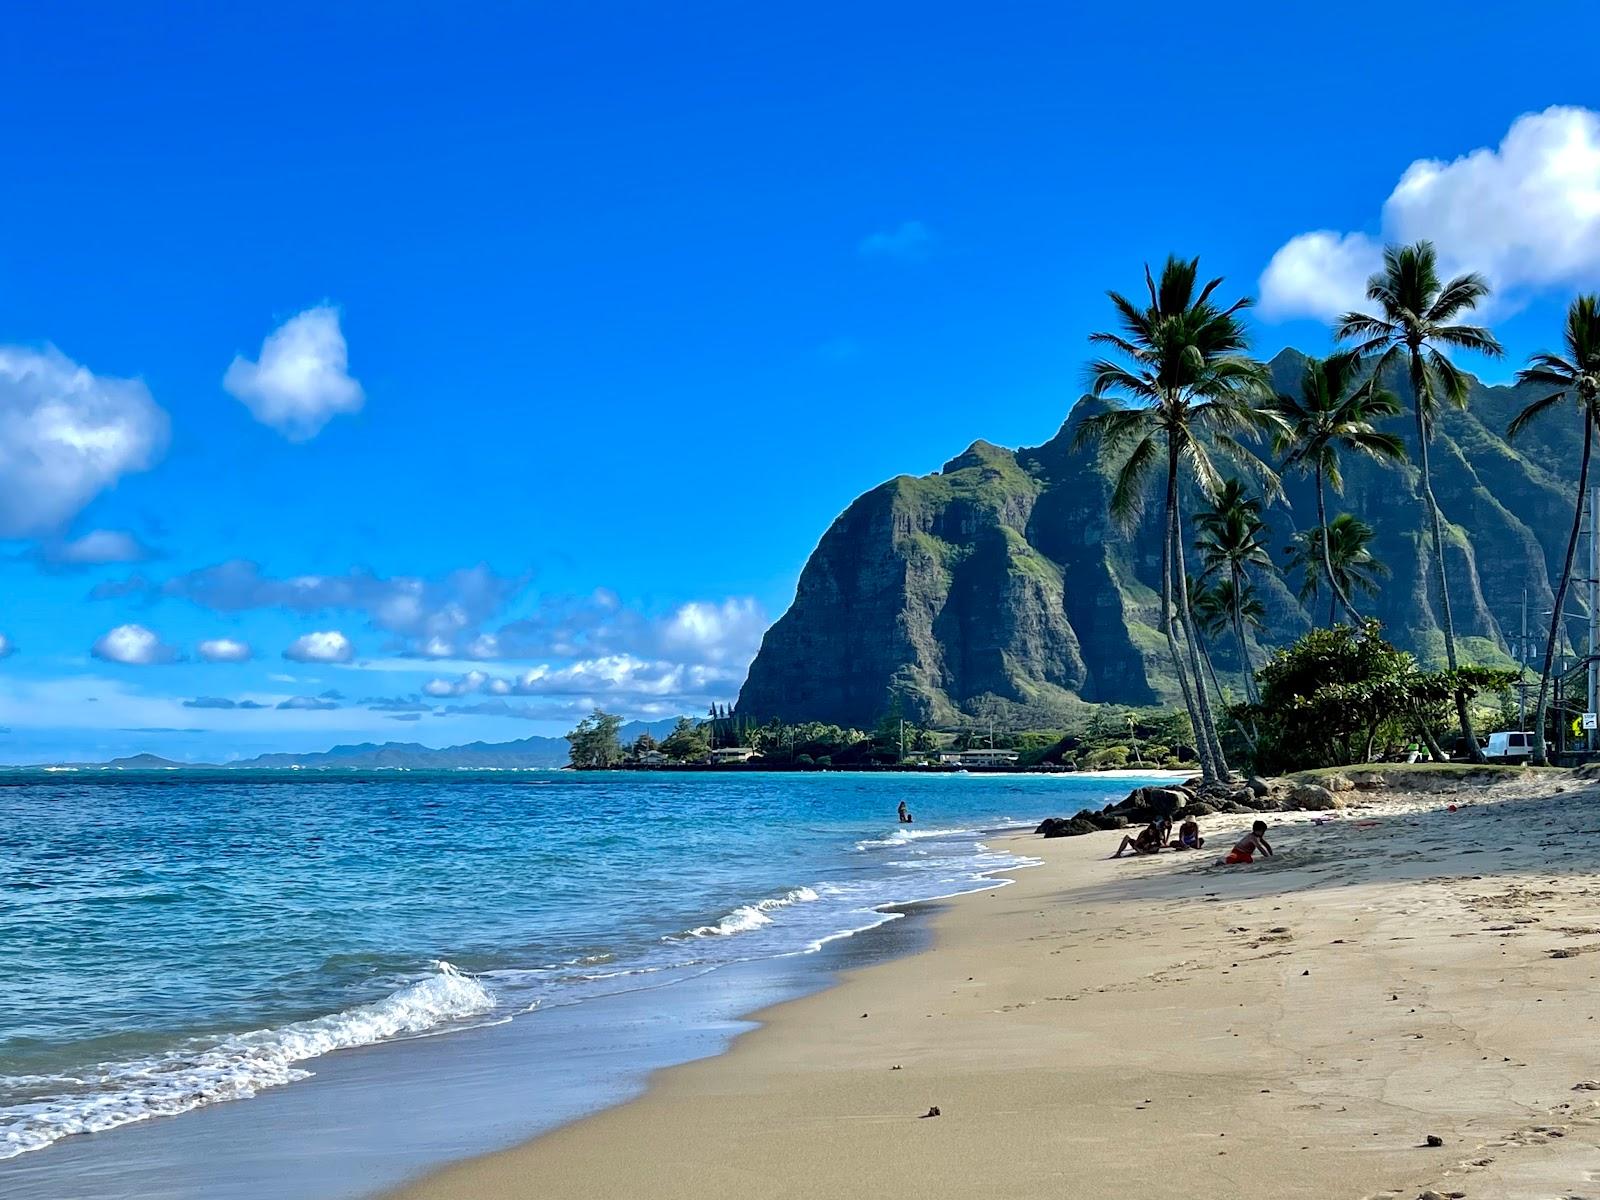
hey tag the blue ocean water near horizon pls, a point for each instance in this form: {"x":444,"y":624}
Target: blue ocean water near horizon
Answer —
{"x":172,"y":940}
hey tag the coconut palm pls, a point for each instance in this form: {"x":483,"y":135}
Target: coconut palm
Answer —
{"x":1576,"y":376}
{"x":1415,"y":327}
{"x":1232,"y":538}
{"x":1331,"y":416}
{"x":1216,"y":609}
{"x":1340,"y":555}
{"x":1185,"y":368}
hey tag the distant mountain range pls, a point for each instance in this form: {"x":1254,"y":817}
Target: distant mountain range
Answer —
{"x":528,"y":753}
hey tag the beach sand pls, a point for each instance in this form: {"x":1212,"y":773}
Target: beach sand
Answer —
{"x":1163,"y":1026}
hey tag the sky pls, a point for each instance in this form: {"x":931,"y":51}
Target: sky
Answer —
{"x":398,"y":371}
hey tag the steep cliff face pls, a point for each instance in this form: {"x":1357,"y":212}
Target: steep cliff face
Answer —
{"x":1000,"y":585}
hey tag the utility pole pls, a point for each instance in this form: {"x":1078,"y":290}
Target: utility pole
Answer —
{"x":1594,"y":602}
{"x":902,"y":739}
{"x":1133,"y":738}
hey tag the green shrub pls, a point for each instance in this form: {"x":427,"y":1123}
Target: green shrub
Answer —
{"x":1111,"y":756}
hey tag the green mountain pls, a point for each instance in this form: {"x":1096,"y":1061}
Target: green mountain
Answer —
{"x":999,"y":586}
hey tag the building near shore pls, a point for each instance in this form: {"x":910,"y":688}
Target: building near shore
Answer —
{"x":980,"y":758}
{"x":733,"y":754}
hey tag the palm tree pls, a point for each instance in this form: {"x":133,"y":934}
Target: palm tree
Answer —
{"x":1339,"y":553}
{"x":1232,"y":539}
{"x":1216,"y":608}
{"x":1415,"y":327}
{"x":1192,"y":383}
{"x":1330,"y":416}
{"x":1578,"y":376}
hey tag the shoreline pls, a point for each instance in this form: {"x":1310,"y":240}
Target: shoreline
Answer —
{"x":1237,"y":1024}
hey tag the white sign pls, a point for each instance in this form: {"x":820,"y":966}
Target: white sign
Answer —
{"x":1589,"y":721}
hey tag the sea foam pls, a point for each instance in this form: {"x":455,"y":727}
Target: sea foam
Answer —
{"x":753,"y":916}
{"x":237,"y":1066}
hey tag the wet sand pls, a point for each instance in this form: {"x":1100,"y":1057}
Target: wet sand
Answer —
{"x":1168,"y":1027}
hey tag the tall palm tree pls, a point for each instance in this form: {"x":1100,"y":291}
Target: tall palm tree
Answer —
{"x":1577,"y":376}
{"x":1329,"y":416}
{"x":1185,"y":368}
{"x":1340,"y":555}
{"x":1216,"y":608}
{"x":1416,"y":326}
{"x":1232,"y":538}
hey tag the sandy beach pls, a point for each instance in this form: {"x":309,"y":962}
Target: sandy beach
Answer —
{"x":1401,"y":972}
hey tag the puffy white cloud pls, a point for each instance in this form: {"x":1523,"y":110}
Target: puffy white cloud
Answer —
{"x":1322,"y":274}
{"x":433,"y":616}
{"x":134,"y":646}
{"x":599,"y":626}
{"x":98,"y":547}
{"x":323,"y":646}
{"x":707,"y":632}
{"x":301,"y":380}
{"x":66,"y":435}
{"x":1526,"y":214}
{"x":909,"y":241}
{"x":221,"y":702}
{"x":7,"y":646}
{"x":225,"y":650}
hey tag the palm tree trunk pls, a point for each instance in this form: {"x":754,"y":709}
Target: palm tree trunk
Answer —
{"x":1208,"y":766}
{"x":1250,"y":692}
{"x":1539,"y":756}
{"x":1418,"y":383}
{"x":1181,"y":586}
{"x":1248,"y":738}
{"x":1327,"y":557}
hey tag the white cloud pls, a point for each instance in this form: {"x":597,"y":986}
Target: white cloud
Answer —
{"x":96,"y":548}
{"x":1322,"y":274}
{"x":302,"y":379}
{"x":134,"y":646}
{"x":324,"y":646}
{"x":433,"y":616}
{"x":225,"y":650}
{"x":910,"y":241}
{"x":66,"y":435}
{"x":715,"y":633}
{"x":7,"y":646}
{"x":1526,"y":214}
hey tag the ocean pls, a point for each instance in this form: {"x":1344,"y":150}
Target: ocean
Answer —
{"x":174,"y":943}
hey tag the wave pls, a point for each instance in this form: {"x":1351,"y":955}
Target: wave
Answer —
{"x":238,"y":1066}
{"x":752,"y":916}
{"x":901,"y":836}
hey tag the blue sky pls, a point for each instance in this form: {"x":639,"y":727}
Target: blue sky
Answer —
{"x":456,"y":372}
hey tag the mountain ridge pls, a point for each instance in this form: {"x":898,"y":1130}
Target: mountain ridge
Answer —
{"x":999,"y":585}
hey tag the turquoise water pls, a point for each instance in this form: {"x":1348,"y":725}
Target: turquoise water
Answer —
{"x":169,"y":942}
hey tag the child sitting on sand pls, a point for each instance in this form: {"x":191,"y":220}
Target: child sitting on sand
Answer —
{"x":1150,"y":840}
{"x":1189,"y":836}
{"x":1246,"y":848}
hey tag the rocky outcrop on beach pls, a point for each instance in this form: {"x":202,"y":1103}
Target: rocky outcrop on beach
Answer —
{"x":1000,"y":586}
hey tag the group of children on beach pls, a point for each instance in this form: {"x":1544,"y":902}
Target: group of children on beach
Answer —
{"x":1157,"y":836}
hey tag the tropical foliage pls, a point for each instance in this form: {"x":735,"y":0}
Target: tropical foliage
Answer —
{"x":1337,"y":556}
{"x":1332,"y":416}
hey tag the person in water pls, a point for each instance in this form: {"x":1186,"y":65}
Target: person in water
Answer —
{"x":1189,"y":836}
{"x":1247,"y":847}
{"x":1150,"y":840}
{"x":905,"y":814}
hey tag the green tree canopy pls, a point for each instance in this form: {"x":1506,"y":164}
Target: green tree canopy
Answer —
{"x":594,"y":743}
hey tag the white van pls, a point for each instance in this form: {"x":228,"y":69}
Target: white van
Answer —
{"x":1509,"y":746}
